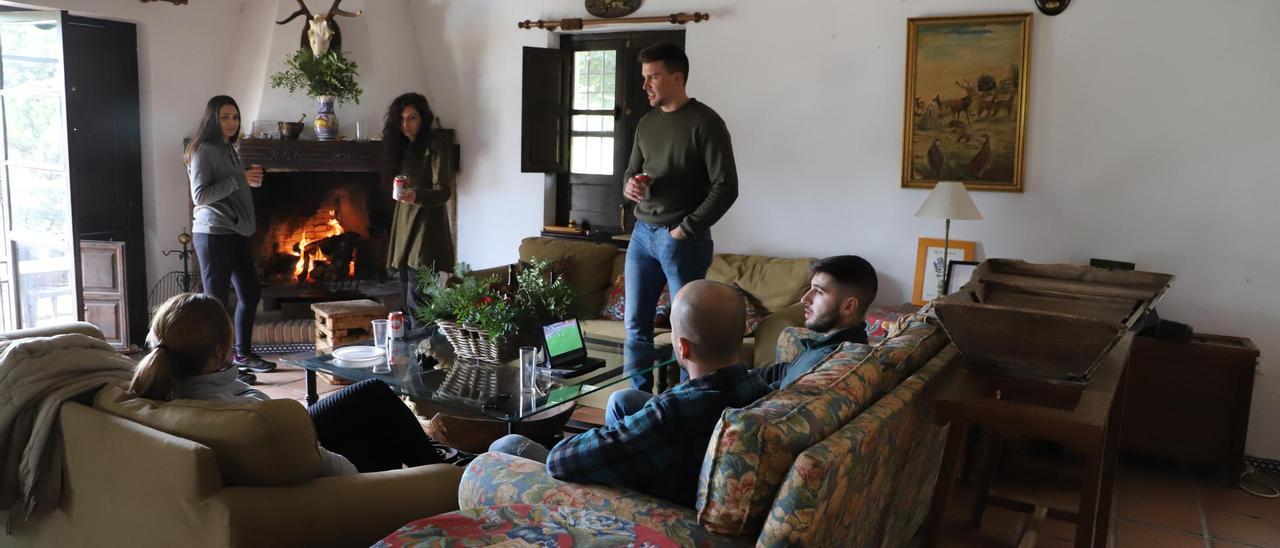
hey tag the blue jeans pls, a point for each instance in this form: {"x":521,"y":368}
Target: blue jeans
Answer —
{"x":623,"y":403}
{"x":520,"y":446}
{"x":655,"y":259}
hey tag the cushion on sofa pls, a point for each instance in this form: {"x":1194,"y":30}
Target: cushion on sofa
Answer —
{"x":612,"y":332}
{"x":777,"y":282}
{"x":753,"y":448}
{"x":589,"y":273}
{"x":615,"y":307}
{"x":879,"y":468}
{"x":494,"y":479}
{"x":913,"y":340}
{"x":259,"y":443}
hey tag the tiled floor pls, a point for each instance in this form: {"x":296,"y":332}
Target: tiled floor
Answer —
{"x":1153,"y":507}
{"x":289,"y":383}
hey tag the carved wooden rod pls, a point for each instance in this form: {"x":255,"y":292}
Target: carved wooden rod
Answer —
{"x":578,"y":24}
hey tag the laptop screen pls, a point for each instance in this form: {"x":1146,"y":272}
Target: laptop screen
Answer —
{"x":564,"y":340}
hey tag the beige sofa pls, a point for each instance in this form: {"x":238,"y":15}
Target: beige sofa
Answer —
{"x":777,"y":282}
{"x":126,"y":484}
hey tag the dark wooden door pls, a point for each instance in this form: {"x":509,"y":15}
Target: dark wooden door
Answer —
{"x":104,"y":148}
{"x":605,"y":101}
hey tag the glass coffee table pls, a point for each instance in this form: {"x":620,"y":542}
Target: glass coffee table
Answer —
{"x":469,"y":386}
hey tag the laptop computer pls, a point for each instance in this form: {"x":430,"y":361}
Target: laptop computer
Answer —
{"x":567,"y":350}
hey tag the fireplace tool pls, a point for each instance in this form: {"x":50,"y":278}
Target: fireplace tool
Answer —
{"x":175,"y":282}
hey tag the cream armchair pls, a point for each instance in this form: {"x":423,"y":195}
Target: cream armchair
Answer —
{"x":126,"y":484}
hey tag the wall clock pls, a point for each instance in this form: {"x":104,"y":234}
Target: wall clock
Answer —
{"x":612,"y":8}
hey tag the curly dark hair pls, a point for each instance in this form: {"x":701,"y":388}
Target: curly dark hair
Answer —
{"x":394,"y":139}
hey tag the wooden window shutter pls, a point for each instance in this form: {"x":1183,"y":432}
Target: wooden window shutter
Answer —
{"x":544,"y":117}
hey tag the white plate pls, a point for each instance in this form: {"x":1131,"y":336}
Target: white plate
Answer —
{"x":359,"y":356}
{"x":358,"y":353}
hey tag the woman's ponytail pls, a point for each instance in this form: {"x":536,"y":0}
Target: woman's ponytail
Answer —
{"x":153,"y":379}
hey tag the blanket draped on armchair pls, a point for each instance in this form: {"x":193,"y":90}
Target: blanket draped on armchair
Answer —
{"x":36,"y":376}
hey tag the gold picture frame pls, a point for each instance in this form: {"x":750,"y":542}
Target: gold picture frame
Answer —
{"x":966,"y":101}
{"x":929,"y":265}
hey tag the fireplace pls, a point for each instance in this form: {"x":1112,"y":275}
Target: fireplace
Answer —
{"x":318,"y":229}
{"x":323,"y":215}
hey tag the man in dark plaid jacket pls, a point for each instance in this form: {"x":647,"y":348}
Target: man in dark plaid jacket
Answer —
{"x":658,"y":450}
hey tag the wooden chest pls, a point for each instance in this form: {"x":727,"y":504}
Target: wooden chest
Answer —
{"x":1049,"y":322}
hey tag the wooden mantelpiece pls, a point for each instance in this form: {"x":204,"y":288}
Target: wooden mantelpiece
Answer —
{"x":326,"y":156}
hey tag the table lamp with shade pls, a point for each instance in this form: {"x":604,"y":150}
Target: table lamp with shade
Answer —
{"x":948,"y":200}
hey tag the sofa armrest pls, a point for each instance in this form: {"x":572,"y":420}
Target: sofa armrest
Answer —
{"x":497,"y":479}
{"x":83,"y":328}
{"x":770,"y":328}
{"x":500,"y":271}
{"x":355,"y":510}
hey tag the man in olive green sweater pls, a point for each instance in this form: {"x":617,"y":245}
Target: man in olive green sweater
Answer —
{"x":683,"y":179}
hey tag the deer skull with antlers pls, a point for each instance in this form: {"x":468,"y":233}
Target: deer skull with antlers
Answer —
{"x":321,"y":31}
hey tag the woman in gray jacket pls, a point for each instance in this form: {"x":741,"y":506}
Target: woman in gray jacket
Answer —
{"x":223,"y":222}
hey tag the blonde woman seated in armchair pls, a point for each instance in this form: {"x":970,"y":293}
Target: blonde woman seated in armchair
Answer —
{"x":363,"y":427}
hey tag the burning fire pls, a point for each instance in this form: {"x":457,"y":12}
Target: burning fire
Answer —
{"x":335,"y":229}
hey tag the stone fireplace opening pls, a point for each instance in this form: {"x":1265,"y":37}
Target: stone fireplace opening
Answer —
{"x":323,"y":213}
{"x":320,"y":232}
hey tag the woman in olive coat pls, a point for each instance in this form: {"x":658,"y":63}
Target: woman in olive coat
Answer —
{"x":420,"y":229}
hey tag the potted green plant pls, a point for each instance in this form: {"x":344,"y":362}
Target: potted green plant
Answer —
{"x":329,"y":78}
{"x":483,"y":318}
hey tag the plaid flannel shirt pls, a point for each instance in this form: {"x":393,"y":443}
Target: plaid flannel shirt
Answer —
{"x":659,"y":449}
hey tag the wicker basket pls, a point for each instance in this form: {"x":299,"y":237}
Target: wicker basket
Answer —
{"x":474,"y":344}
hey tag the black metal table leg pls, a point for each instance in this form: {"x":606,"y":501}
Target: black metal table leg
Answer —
{"x":312,"y":396}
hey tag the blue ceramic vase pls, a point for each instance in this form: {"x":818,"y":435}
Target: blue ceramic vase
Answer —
{"x":326,"y":122}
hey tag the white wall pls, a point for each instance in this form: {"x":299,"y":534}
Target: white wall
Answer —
{"x":1149,"y":124}
{"x":181,"y":63}
{"x":382,"y":42}
{"x":1148,"y":127}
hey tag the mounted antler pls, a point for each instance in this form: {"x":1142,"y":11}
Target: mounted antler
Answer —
{"x":321,"y":32}
{"x":333,"y":10}
{"x":302,"y":11}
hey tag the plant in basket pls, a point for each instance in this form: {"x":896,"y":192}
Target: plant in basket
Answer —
{"x":487,"y":305}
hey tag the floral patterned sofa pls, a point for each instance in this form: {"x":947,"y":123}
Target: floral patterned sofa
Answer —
{"x":845,"y":457}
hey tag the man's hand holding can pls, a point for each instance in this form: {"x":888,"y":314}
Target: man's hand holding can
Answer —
{"x":637,"y":188}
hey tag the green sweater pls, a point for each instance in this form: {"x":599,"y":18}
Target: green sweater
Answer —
{"x":689,"y":156}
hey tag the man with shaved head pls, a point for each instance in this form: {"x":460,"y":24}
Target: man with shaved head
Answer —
{"x":658,"y":449}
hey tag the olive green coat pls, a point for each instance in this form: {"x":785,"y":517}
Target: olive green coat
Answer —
{"x":420,"y":234}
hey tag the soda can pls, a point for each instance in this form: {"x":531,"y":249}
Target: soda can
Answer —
{"x":645,"y":179}
{"x":400,"y":184}
{"x":395,"y":325}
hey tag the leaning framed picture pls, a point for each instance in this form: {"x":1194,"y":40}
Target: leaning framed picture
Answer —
{"x":929,"y":266}
{"x":958,"y":274}
{"x":966,"y":101}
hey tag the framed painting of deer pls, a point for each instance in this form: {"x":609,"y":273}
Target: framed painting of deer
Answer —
{"x":966,"y":101}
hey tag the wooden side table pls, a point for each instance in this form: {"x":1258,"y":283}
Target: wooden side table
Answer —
{"x":1088,"y":423}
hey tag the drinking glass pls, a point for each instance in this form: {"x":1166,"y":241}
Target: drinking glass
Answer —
{"x":528,"y":369}
{"x":360,"y":133}
{"x":380,"y":333}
